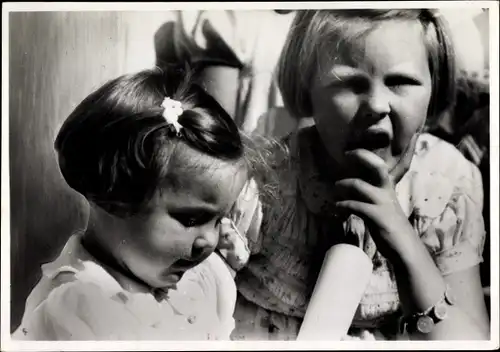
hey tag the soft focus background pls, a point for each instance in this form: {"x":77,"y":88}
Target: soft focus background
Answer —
{"x":55,"y":60}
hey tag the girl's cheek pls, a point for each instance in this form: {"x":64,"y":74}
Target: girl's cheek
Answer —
{"x":410,"y":128}
{"x":159,"y":237}
{"x":334,"y":114}
{"x":346,"y":105}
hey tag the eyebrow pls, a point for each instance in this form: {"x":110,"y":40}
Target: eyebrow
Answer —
{"x":342,"y":73}
{"x":199,"y":206}
{"x":346,"y":73}
{"x":415,"y":74}
{"x":344,"y":70}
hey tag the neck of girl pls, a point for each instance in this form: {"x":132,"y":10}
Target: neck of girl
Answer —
{"x":102,"y":241}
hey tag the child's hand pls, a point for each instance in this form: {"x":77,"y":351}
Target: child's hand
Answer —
{"x":370,"y":194}
{"x":232,"y":245}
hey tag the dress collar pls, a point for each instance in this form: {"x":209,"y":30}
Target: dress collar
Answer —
{"x":77,"y":258}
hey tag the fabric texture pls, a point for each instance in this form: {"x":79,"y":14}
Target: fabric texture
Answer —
{"x":77,"y":299}
{"x":441,"y":194}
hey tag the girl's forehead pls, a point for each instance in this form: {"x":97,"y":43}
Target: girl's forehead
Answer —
{"x":386,"y":43}
{"x":391,"y":46}
{"x":208,"y":171}
{"x":207,"y":178}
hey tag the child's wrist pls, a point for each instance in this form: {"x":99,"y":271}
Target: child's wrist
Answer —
{"x":403,"y":253}
{"x":419,"y":280}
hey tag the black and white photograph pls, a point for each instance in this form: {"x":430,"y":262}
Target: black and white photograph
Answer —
{"x":282,"y":175}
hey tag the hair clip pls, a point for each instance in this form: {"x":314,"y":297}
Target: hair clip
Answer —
{"x":173,"y":109}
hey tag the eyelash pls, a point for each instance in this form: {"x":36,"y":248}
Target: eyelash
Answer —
{"x":401,"y":81}
{"x":198,"y":220}
{"x":219,"y":219}
{"x":359,"y":85}
{"x":189,"y":220}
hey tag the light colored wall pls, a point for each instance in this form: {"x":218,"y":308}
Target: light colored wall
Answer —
{"x":55,"y":60}
{"x":482,"y":22}
{"x":470,"y":31}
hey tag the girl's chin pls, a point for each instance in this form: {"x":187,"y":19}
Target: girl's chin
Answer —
{"x":172,"y":278}
{"x":167,"y":280}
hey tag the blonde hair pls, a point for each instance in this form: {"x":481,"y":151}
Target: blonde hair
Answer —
{"x":265,"y":157}
{"x":313,"y":31}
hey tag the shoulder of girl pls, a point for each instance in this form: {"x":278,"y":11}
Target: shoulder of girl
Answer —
{"x":440,"y":174}
{"x":438,"y":159}
{"x":76,"y":296}
{"x":87,"y":272}
{"x":84,"y":311}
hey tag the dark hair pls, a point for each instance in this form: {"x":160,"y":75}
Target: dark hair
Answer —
{"x":315,"y":30}
{"x":115,"y":147}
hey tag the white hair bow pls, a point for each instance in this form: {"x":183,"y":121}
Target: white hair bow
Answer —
{"x":173,"y":109}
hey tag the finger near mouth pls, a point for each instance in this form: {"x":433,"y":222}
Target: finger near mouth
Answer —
{"x":402,"y":165}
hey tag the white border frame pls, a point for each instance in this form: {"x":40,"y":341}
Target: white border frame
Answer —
{"x":7,"y":344}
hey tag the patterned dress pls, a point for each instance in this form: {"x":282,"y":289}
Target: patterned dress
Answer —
{"x":441,"y":194}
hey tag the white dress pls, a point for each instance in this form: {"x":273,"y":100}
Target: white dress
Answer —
{"x":77,"y":299}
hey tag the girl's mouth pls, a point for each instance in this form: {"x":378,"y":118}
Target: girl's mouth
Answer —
{"x":183,"y":265}
{"x":175,"y":273}
{"x":370,"y":140}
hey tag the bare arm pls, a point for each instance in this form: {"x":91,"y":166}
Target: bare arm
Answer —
{"x":421,"y":286}
{"x":222,"y":82}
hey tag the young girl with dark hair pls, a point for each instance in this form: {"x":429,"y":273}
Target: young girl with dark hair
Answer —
{"x":161,"y":163}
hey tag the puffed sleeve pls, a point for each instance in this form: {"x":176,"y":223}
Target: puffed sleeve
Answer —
{"x":81,"y":311}
{"x":449,"y":218}
{"x":246,"y":215}
{"x":204,"y":38}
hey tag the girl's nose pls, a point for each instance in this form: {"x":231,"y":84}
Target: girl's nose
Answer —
{"x":377,"y":103}
{"x":204,"y":244}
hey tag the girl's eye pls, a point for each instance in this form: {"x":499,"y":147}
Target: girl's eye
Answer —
{"x":192,"y":220}
{"x":399,"y":81}
{"x":219,"y":219}
{"x":358,"y":85}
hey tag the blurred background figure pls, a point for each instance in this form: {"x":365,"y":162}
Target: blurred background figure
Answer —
{"x":234,"y":54}
{"x":467,"y":125}
{"x":469,"y":28}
